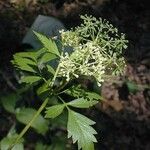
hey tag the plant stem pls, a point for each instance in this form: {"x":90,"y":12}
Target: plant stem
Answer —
{"x":63,"y":102}
{"x":29,"y":124}
{"x":55,"y":75}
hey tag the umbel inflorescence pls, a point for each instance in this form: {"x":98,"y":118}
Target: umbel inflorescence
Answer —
{"x":94,"y":49}
{"x":97,"y":50}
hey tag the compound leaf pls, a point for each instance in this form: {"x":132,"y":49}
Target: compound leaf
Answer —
{"x":47,"y":57}
{"x":54,"y":111}
{"x":43,"y":88}
{"x":29,"y":55}
{"x":23,"y":62}
{"x":79,"y":128}
{"x":48,"y":43}
{"x":23,"y":66}
{"x":79,"y":92}
{"x":50,"y":69}
{"x":93,"y":96}
{"x":30,"y":79}
{"x":82,"y":103}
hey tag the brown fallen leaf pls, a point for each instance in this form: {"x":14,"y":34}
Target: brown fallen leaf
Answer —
{"x":115,"y":104}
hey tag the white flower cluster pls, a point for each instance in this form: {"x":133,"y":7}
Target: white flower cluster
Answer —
{"x":86,"y":60}
{"x":67,"y":37}
{"x":97,"y":50}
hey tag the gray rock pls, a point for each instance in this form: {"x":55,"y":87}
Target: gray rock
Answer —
{"x":48,"y":26}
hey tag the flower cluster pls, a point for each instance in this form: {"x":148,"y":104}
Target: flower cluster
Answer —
{"x":86,"y":60}
{"x":95,"y":53}
{"x":69,"y":38}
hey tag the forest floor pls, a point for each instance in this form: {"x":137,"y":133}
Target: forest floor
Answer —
{"x":123,"y":121}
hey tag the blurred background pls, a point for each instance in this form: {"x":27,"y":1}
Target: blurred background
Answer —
{"x":123,"y":121}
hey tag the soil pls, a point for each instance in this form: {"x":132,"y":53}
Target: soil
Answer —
{"x":123,"y":119}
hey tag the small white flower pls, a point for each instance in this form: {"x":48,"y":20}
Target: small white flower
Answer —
{"x":91,"y":57}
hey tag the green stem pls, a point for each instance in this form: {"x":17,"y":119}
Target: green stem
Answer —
{"x":29,"y":124}
{"x":63,"y":102}
{"x":55,"y":75}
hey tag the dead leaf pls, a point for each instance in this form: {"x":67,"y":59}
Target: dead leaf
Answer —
{"x":115,"y":104}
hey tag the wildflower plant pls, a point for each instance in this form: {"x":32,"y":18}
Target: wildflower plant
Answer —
{"x":96,"y":49}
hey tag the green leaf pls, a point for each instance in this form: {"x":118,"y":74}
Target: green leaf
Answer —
{"x":79,"y":128}
{"x":9,"y":102}
{"x":30,"y":79}
{"x":9,"y":140}
{"x":22,"y":60}
{"x":23,"y":66}
{"x":49,"y":44}
{"x":47,"y":57}
{"x":43,"y":88}
{"x":60,"y":120}
{"x":24,"y":63}
{"x":30,"y":55}
{"x":93,"y":96}
{"x":25,"y":115}
{"x":82,"y":103}
{"x":75,"y":91}
{"x":133,"y":87}
{"x":54,"y":111}
{"x":50,"y":69}
{"x":79,"y":92}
